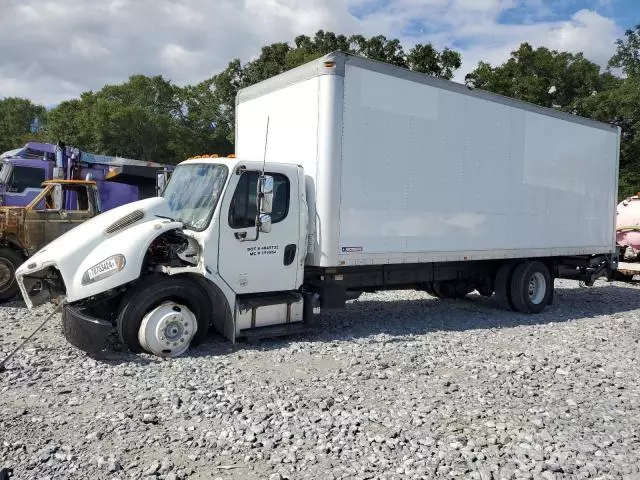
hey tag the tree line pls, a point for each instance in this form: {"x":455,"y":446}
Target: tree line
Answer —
{"x":150,"y":118}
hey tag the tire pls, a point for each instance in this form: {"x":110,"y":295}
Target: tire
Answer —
{"x":531,"y":287}
{"x":502,"y":285}
{"x":10,"y":260}
{"x":151,"y":292}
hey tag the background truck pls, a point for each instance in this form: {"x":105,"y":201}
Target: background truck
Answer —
{"x":120,"y":180}
{"x":628,"y":238}
{"x":372,"y":177}
{"x":59,"y":206}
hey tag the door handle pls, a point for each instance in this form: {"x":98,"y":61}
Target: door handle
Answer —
{"x":240,"y":235}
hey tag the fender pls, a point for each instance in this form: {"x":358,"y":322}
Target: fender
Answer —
{"x":132,"y":242}
{"x":126,"y":230}
{"x":222,"y":305}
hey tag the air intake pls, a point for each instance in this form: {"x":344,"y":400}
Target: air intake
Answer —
{"x":125,"y":221}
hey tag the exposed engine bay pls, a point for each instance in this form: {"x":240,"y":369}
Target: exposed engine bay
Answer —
{"x":171,"y":249}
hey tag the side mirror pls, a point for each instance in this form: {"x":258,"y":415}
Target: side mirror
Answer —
{"x":161,"y":182}
{"x":265,"y":223}
{"x":265,"y":192}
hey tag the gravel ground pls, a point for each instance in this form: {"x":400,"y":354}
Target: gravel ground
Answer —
{"x":398,"y":385}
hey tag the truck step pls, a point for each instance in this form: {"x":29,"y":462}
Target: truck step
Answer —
{"x":264,"y":300}
{"x":271,"y":331}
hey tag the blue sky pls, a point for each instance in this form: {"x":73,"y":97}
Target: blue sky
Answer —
{"x":489,"y":29}
{"x":623,"y":12}
{"x":59,"y":48}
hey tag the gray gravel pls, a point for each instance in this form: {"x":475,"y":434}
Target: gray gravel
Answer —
{"x":398,"y":385}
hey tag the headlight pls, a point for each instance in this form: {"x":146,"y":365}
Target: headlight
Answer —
{"x":104,"y":269}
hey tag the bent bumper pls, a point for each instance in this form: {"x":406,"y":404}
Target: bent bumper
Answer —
{"x":83,"y":331}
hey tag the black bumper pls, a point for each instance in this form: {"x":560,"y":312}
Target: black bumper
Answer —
{"x":83,"y":331}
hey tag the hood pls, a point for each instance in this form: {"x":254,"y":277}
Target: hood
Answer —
{"x":126,"y":230}
{"x":90,"y":232}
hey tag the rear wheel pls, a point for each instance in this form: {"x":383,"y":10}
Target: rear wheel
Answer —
{"x":10,"y":260}
{"x":502,"y":285}
{"x":531,"y":287}
{"x":164,"y":316}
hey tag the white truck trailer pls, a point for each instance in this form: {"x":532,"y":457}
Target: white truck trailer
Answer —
{"x":373,"y":177}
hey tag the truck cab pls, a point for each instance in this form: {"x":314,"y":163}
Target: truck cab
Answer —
{"x":20,"y":182}
{"x":59,"y":206}
{"x":225,"y":244}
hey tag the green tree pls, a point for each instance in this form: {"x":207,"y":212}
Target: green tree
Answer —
{"x":20,"y":121}
{"x":627,"y":56}
{"x":545,"y":77}
{"x":135,"y":119}
{"x":618,"y":104}
{"x":72,"y":121}
{"x":152,"y":119}
{"x":213,"y":101}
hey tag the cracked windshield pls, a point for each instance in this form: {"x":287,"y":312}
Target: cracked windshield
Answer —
{"x":193,"y":192}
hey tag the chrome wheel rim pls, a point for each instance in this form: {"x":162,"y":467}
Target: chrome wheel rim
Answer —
{"x":167,"y":330}
{"x":537,"y":288}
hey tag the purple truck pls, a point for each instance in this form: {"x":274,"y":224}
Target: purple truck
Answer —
{"x":119,"y":180}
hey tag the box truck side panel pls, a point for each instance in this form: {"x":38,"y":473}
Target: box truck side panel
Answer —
{"x":433,"y":174}
{"x":293,"y":125}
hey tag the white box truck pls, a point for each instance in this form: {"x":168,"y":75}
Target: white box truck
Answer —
{"x":370,"y":177}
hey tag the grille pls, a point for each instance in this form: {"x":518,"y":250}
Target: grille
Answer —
{"x":125,"y":221}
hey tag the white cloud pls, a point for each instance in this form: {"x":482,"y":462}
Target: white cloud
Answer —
{"x":52,"y":50}
{"x":586,"y":32}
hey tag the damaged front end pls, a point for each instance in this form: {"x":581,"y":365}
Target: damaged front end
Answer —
{"x":88,"y":320}
{"x":42,"y":286}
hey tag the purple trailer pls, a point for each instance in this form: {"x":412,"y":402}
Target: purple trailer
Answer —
{"x":119,"y":180}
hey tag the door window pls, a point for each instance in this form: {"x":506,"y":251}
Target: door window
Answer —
{"x":243,"y":211}
{"x":65,"y":197}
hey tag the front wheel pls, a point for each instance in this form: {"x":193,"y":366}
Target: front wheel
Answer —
{"x":164,"y":316}
{"x":10,"y":260}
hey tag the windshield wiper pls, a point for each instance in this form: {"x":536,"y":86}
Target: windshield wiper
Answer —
{"x":169,"y":218}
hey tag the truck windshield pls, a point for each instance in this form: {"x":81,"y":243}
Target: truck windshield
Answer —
{"x":5,"y":172}
{"x":193,"y":192}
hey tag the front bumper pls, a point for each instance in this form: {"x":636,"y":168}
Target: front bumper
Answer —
{"x":84,"y":331}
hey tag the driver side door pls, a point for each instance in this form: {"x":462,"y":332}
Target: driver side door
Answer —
{"x":270,"y":262}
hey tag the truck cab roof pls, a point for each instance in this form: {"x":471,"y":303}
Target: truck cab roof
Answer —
{"x":231,"y":161}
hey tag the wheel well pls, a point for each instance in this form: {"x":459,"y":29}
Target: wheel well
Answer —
{"x":222,"y":317}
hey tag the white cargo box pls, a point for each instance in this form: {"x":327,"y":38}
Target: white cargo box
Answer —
{"x":405,"y":167}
